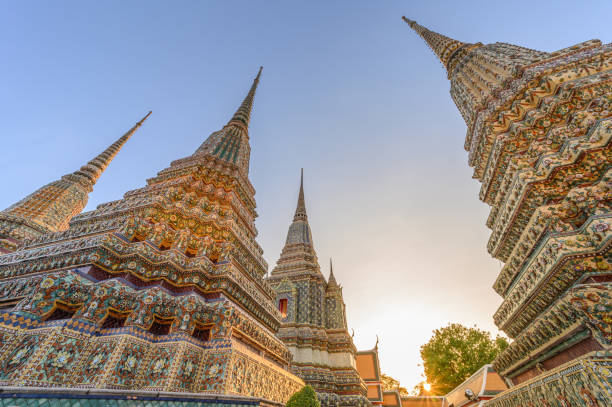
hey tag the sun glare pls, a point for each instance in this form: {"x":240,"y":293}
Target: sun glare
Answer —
{"x":427,"y":386}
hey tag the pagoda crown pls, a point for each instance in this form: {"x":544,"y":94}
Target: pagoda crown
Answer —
{"x":231,"y":143}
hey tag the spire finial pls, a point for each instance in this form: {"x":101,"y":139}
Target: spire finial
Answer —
{"x":231,"y":143}
{"x":443,"y":46}
{"x":408,"y":21}
{"x":243,"y":114}
{"x":331,"y":281}
{"x":300,"y":211}
{"x":94,"y":168}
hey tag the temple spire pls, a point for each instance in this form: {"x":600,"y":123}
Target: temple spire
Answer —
{"x":231,"y":143}
{"x":243,"y":114}
{"x":51,"y":207}
{"x":443,"y":46}
{"x":298,"y":252}
{"x":300,"y":210}
{"x":94,"y":168}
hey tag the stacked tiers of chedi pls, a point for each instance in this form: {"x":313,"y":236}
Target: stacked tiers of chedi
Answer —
{"x":314,"y":318}
{"x":162,"y":290}
{"x":539,"y":128}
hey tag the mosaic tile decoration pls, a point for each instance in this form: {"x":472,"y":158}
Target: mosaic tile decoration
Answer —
{"x":539,"y":137}
{"x":162,"y":290}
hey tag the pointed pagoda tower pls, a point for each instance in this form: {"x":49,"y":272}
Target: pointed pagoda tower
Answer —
{"x":51,"y":207}
{"x":160,"y":291}
{"x":314,"y":318}
{"x":335,"y":309}
{"x":539,"y":132}
{"x":299,"y":254}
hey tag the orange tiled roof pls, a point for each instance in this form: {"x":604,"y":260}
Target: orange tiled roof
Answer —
{"x":422,"y":401}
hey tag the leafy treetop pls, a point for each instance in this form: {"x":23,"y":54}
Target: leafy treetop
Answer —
{"x":455,"y":352}
{"x":306,"y":397}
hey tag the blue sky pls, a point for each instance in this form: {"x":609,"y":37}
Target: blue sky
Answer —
{"x":348,"y":92}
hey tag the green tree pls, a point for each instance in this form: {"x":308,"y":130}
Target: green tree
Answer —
{"x":304,"y":398}
{"x":389,"y":384}
{"x":455,"y":352}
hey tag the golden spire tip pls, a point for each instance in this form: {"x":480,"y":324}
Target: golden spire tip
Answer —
{"x":145,"y":118}
{"x":408,"y":21}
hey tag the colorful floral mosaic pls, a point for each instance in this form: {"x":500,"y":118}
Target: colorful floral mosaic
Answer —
{"x":584,"y":382}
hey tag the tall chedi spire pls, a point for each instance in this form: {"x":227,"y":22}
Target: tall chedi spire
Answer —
{"x":478,"y":73}
{"x":538,"y":134}
{"x":172,"y":270}
{"x":443,"y":46}
{"x":231,"y":143}
{"x":50,"y":208}
{"x":314,"y":308}
{"x":299,"y":252}
{"x":300,"y":210}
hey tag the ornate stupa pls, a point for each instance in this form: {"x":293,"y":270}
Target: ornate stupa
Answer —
{"x":158,"y":296}
{"x":539,"y":127}
{"x":314,"y":318}
{"x":51,"y":207}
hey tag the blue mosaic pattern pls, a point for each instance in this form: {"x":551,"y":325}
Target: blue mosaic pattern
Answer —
{"x":42,"y":400}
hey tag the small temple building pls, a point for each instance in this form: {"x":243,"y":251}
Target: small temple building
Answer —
{"x":368,"y":367}
{"x":539,"y":131}
{"x":313,"y":312}
{"x":481,"y":386}
{"x":158,"y":296}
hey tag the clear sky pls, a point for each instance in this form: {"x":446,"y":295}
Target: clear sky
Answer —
{"x":348,"y":91}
